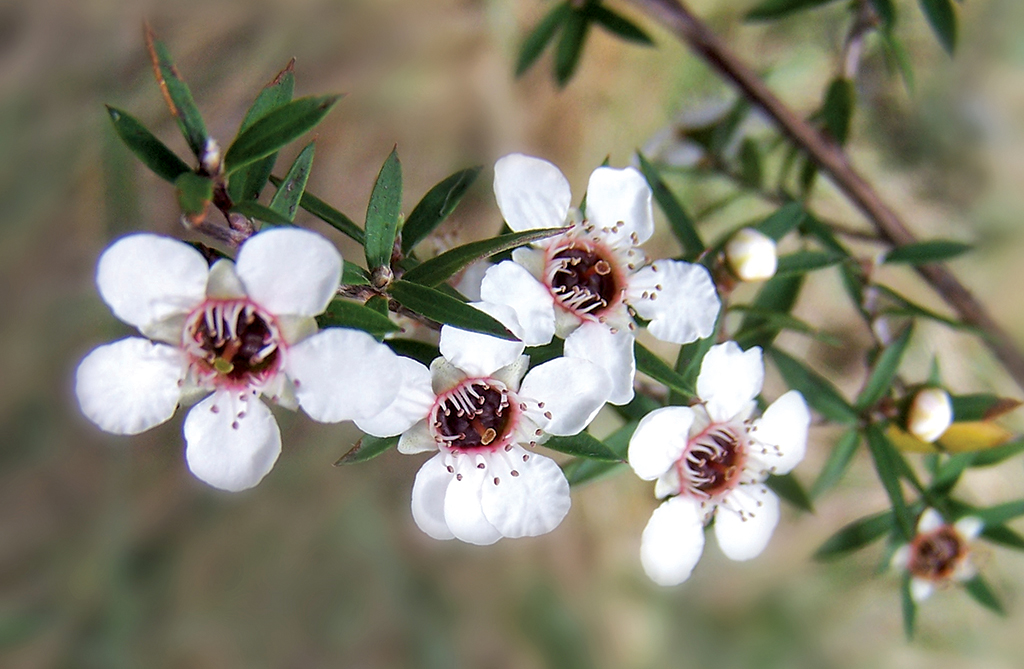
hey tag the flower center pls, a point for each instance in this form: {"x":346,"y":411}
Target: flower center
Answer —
{"x":582,"y":278}
{"x":713,"y":461}
{"x":234,"y":340}
{"x":474,"y":415}
{"x":936,"y":555}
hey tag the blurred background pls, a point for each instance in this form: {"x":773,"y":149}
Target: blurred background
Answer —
{"x":112,"y":555}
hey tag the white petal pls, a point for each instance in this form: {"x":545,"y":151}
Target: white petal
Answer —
{"x":929,"y":521}
{"x":417,"y":439}
{"x":528,"y":504}
{"x":290,"y":271}
{"x":444,"y":376}
{"x":921,"y":589}
{"x":678,"y":298}
{"x":428,"y":493}
{"x":729,"y":378}
{"x":512,"y":284}
{"x":619,"y":206}
{"x":130,"y":385}
{"x":343,"y":374}
{"x":531,"y":193}
{"x":969,"y":527}
{"x":512,"y":375}
{"x":783,"y":430}
{"x":667,"y":484}
{"x":145,"y":278}
{"x":410,"y":405}
{"x":223,"y":282}
{"x":673,"y":541}
{"x":463,"y":513}
{"x":901,"y":558}
{"x":572,"y":391}
{"x":532,"y":259}
{"x":480,"y":354}
{"x":612,"y":352}
{"x":659,"y":441}
{"x":231,"y":444}
{"x":742,"y":537}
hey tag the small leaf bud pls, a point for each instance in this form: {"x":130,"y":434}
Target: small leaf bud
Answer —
{"x":751,"y":255}
{"x":211,"y":157}
{"x":930,"y":414}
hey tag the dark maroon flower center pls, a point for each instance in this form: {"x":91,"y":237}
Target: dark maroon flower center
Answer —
{"x":936,"y":555}
{"x":235,"y":340}
{"x":474,"y":415}
{"x":713,"y":461}
{"x":582,"y":279}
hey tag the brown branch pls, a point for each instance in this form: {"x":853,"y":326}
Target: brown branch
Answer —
{"x":831,"y":160}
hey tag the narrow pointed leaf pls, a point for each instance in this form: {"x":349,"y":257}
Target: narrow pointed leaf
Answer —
{"x":367,"y":448}
{"x":838,"y":462}
{"x":582,"y":470}
{"x":751,"y":173}
{"x":802,"y":262}
{"x":540,"y":36}
{"x":770,"y":10}
{"x":856,"y":535}
{"x":942,"y":19}
{"x":618,"y":25}
{"x":788,"y":217}
{"x":247,"y":182}
{"x":778,"y":294}
{"x":688,"y":366}
{"x":679,"y":221}
{"x":289,"y":193}
{"x":936,"y":250}
{"x":150,"y":150}
{"x":570,"y":45}
{"x":994,"y":456}
{"x":886,"y":11}
{"x":818,"y":391}
{"x":888,"y":363}
{"x":440,"y":268}
{"x":439,"y":202}
{"x":889,"y":474}
{"x":656,"y":368}
{"x":328,"y":215}
{"x":909,"y":607}
{"x":354,"y":275}
{"x":1004,"y":536}
{"x":383,"y":212}
{"x":837,"y":110}
{"x":260,"y":213}
{"x":1001,"y":513}
{"x":788,"y":488}
{"x":442,"y":308}
{"x":279,"y":127}
{"x":981,"y":406}
{"x":176,"y":94}
{"x":541,"y":354}
{"x":777,"y":322}
{"x":982,"y":593}
{"x":345,"y":314}
{"x":583,"y":445}
{"x":417,"y":350}
{"x":194,"y":193}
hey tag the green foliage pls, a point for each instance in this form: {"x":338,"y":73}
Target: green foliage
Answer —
{"x":787,"y":217}
{"x":346,"y":314}
{"x":177,"y":95}
{"x":679,"y":221}
{"x":289,"y":193}
{"x":856,"y":535}
{"x":150,"y":150}
{"x":442,"y":308}
{"x":259,"y":212}
{"x":367,"y":448}
{"x":887,"y":466}
{"x":942,"y":19}
{"x":820,"y":394}
{"x":329,"y":215}
{"x":437,"y":205}
{"x":881,"y":377}
{"x":837,"y":111}
{"x":838,"y":462}
{"x":194,"y":193}
{"x":647,"y":362}
{"x":778,"y":294}
{"x":802,"y":262}
{"x":769,"y":10}
{"x":937,"y":250}
{"x":980,"y":591}
{"x":575,"y":27}
{"x":790,"y":489}
{"x":617,"y":24}
{"x":417,"y":350}
{"x":277,"y":128}
{"x":534,"y":44}
{"x":383,"y":213}
{"x":583,"y":445}
{"x":247,"y":182}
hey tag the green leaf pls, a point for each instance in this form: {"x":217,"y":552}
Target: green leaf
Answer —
{"x":354,"y":275}
{"x":855,"y":535}
{"x":909,"y":607}
{"x":915,"y":310}
{"x":617,"y":24}
{"x":1004,"y":536}
{"x":838,"y":462}
{"x":637,"y":408}
{"x":247,"y":182}
{"x":786,"y":218}
{"x":194,"y":193}
{"x":982,"y":593}
{"x":442,"y":308}
{"x":888,"y":363}
{"x":994,"y":456}
{"x":440,"y":268}
{"x":279,"y":127}
{"x":289,"y":193}
{"x":650,"y":364}
{"x":769,"y":10}
{"x":582,"y":470}
{"x":439,"y":202}
{"x":688,"y":365}
{"x":948,"y":473}
{"x":680,"y":222}
{"x":583,"y":445}
{"x":618,"y":441}
{"x":150,"y":150}
{"x":936,"y":250}
{"x":837,"y":110}
{"x":383,"y":213}
{"x":778,"y":294}
{"x":897,"y":58}
{"x":886,"y":11}
{"x":539,"y":37}
{"x":176,"y":94}
{"x":328,"y":215}
{"x":367,"y":448}
{"x":942,"y":19}
{"x":751,"y":173}
{"x":981,"y":406}
{"x":1001,"y":513}
{"x":570,"y":45}
{"x":776,"y":322}
{"x":802,"y":262}
{"x":818,"y":391}
{"x":541,"y":354}
{"x":417,"y":350}
{"x":788,"y":488}
{"x":346,"y":314}
{"x":882,"y":452}
{"x":260,"y":213}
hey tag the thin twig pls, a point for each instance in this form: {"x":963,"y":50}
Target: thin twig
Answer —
{"x":831,"y":159}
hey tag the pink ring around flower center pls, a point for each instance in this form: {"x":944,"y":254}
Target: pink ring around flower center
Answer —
{"x":476,"y":416}
{"x":233,"y":343}
{"x":713,"y":461}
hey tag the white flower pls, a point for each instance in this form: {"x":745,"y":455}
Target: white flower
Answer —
{"x":751,"y":255}
{"x":236,"y":329}
{"x":593,"y":275}
{"x":930,"y":414}
{"x":939,"y":553}
{"x":712,"y":460}
{"x":475,"y":408}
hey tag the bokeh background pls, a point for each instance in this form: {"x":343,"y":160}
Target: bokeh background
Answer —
{"x":113,"y":555}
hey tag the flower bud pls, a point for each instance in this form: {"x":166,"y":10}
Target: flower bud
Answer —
{"x":930,"y":414}
{"x":751,"y":255}
{"x":211,"y":157}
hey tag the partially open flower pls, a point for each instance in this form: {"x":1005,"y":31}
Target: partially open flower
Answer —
{"x":711,"y":460}
{"x":594,"y":275}
{"x":939,"y":554}
{"x":930,"y":414}
{"x":751,"y":255}
{"x":237,"y":330}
